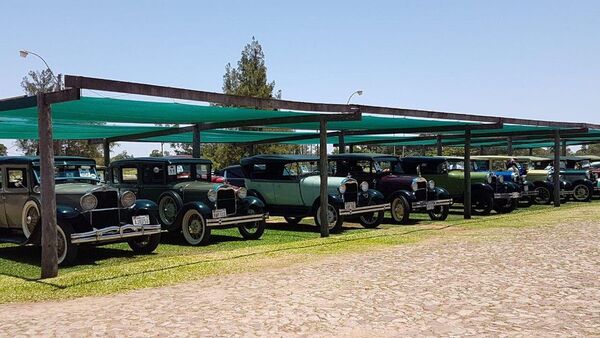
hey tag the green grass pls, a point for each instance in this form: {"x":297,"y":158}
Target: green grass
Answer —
{"x":114,"y":268}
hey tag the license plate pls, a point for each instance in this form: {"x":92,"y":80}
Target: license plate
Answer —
{"x":349,"y":205}
{"x":430,"y":205}
{"x":141,"y":220}
{"x":219,"y":213}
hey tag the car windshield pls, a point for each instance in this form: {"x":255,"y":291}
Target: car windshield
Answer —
{"x":456,"y":165}
{"x":188,"y":172}
{"x":389,"y":167}
{"x":71,"y":172}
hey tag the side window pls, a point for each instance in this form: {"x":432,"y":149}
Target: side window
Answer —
{"x":235,"y":173}
{"x":153,"y":174}
{"x":17,"y":178}
{"x":498,"y":166}
{"x":290,"y":170}
{"x":203,"y":171}
{"x":115,"y":175}
{"x":129,"y":174}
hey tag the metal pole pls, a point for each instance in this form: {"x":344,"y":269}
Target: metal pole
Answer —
{"x":48,"y":197}
{"x":196,"y":142}
{"x":323,"y":173}
{"x":564,"y":148}
{"x":106,"y":148}
{"x":467,"y":199}
{"x":440,"y":149}
{"x":510,"y":146}
{"x":341,"y":144}
{"x":556,"y":168}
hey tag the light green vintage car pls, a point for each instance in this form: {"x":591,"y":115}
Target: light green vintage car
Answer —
{"x":289,"y":186}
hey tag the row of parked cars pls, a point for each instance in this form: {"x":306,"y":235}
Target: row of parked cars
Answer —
{"x":135,"y":200}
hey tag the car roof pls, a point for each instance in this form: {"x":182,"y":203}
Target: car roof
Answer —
{"x":428,"y":158}
{"x":531,"y":158}
{"x":363,"y":156}
{"x":166,"y":159}
{"x":492,"y":157}
{"x":276,"y":158}
{"x":36,"y":159}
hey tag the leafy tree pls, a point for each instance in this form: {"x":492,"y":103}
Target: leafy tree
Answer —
{"x":3,"y":150}
{"x":121,"y":156}
{"x":158,"y":153}
{"x":45,"y":81}
{"x":248,"y":78}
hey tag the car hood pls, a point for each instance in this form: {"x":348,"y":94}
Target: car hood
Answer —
{"x":398,"y":178}
{"x":79,"y":188}
{"x":332,"y":182}
{"x":192,"y":186}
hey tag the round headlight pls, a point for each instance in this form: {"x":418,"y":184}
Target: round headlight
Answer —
{"x":431,"y":184}
{"x":212,"y":195}
{"x":490,"y":178}
{"x":127,"y":199}
{"x":364,"y":186}
{"x":414,"y":185}
{"x":88,"y":202}
{"x":513,"y":177}
{"x":242,"y":192}
{"x":342,"y":189}
{"x":501,"y":179}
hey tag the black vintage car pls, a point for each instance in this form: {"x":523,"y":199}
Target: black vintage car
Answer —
{"x":233,"y":175}
{"x":188,"y":201}
{"x":290,"y":187}
{"x":87,"y":212}
{"x":406,"y":193}
{"x":576,"y":171}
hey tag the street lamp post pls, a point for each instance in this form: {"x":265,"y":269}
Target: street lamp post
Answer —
{"x":25,"y":53}
{"x":358,"y":92}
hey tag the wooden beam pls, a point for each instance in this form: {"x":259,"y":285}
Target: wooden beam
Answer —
{"x":106,"y":151}
{"x":509,"y":145}
{"x":440,"y":149}
{"x":556,"y":169}
{"x":323,"y":173}
{"x":467,"y":198}
{"x":430,"y":130}
{"x":292,"y":138}
{"x":196,"y":152}
{"x":49,"y":259}
{"x":341,"y":143}
{"x":564,"y":148}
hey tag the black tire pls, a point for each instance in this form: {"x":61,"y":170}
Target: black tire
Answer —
{"x":371,"y":220}
{"x":505,"y":206}
{"x":400,"y":210}
{"x":526,"y":202}
{"x":169,"y":205}
{"x":67,"y":251}
{"x":194,"y":228}
{"x":252,"y":231}
{"x":439,"y":213}
{"x":144,"y":244}
{"x":482,"y":204}
{"x":292,"y":220}
{"x":582,"y":193}
{"x":543,"y":197}
{"x":336,"y":221}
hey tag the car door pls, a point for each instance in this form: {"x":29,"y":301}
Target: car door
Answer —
{"x":286,"y":188}
{"x":16,"y":193}
{"x":153,"y":181}
{"x":261,"y":182}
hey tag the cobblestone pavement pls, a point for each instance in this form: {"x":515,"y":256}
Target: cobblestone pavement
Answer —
{"x":542,"y":281}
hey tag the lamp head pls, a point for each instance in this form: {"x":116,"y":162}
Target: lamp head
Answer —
{"x":359,"y":92}
{"x":23,"y":53}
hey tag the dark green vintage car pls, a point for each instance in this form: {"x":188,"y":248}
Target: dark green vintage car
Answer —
{"x":582,"y":180}
{"x":188,"y":201}
{"x":87,"y":212}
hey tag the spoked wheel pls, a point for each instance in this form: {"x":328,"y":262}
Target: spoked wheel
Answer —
{"x":30,"y":217}
{"x":67,"y":251}
{"x":333,"y":218}
{"x":505,"y":206}
{"x":168,"y":208}
{"x":292,"y":220}
{"x":483,"y":204}
{"x":400,"y":210}
{"x":582,"y":193}
{"x":372,"y":219}
{"x":543,"y":196}
{"x":439,"y":213}
{"x":252,"y":230}
{"x":194,"y":228}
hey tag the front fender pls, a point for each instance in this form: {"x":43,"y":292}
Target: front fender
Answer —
{"x":145,"y":205}
{"x":375,"y":195}
{"x":202,"y":208}
{"x":252,"y":201}
{"x":441,"y":193}
{"x":482,"y":188}
{"x":408,"y":195}
{"x":64,"y":212}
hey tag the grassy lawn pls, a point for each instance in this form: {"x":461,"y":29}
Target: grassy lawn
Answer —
{"x":114,"y":268}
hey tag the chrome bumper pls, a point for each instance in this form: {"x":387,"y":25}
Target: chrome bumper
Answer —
{"x":429,"y":205}
{"x":365,"y":209}
{"x":507,"y":195}
{"x":596,"y":188}
{"x":529,"y":193}
{"x":235,"y":220}
{"x":566,"y":193}
{"x":115,"y":233}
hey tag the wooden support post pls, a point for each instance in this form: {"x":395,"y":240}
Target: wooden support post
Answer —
{"x":106,"y":150}
{"x":564,"y":148}
{"x":48,"y":197}
{"x":530,"y":151}
{"x":341,"y":144}
{"x":196,"y":153}
{"x":323,"y":173}
{"x":467,"y":199}
{"x":556,"y":168}
{"x":510,"y":146}
{"x":440,"y":149}
{"x":351,"y":148}
{"x":481,"y":150}
{"x":252,"y":149}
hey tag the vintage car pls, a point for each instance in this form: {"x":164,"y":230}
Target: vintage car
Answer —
{"x":595,"y":168}
{"x":188,"y":202}
{"x":542,"y":179}
{"x":582,"y":181}
{"x":289,"y":185}
{"x":499,"y":165}
{"x":234,"y":175}
{"x":405,"y":193}
{"x":86,"y":212}
{"x":488,"y":192}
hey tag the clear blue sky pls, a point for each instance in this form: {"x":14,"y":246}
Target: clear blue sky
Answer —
{"x":535,"y":59}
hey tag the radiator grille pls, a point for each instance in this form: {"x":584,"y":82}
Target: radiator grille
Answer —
{"x":351,"y":194}
{"x":107,"y":199}
{"x":226,"y":200}
{"x":106,"y":218}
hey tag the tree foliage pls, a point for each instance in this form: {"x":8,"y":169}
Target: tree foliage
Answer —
{"x":121,"y":156}
{"x":3,"y":150}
